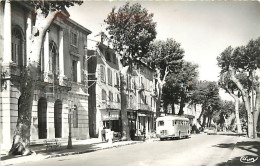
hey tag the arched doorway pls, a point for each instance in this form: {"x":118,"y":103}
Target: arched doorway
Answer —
{"x":58,"y":118}
{"x":42,"y":118}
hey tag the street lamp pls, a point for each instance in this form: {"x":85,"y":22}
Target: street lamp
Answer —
{"x":71,"y":109}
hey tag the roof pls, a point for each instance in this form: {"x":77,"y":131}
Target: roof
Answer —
{"x":79,"y":26}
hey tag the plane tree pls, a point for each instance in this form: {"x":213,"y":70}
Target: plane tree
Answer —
{"x":130,"y":29}
{"x":206,"y":93}
{"x":230,"y":87}
{"x":180,"y":85}
{"x":166,"y":58}
{"x":245,"y":59}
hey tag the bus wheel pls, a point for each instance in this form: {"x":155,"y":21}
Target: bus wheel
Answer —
{"x":161,"y":139}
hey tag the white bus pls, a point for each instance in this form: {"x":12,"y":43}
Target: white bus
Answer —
{"x":172,"y":127}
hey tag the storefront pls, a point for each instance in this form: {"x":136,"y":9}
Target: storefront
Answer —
{"x":132,"y":123}
{"x":110,"y":119}
{"x":144,"y":122}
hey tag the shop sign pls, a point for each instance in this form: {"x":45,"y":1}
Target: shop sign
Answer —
{"x":110,"y":115}
{"x":131,"y":115}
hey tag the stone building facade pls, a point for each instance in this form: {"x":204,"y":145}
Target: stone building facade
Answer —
{"x":62,"y":79}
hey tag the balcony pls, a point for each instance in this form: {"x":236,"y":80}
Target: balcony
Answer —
{"x":131,"y":106}
{"x":144,"y":107}
{"x":112,"y":105}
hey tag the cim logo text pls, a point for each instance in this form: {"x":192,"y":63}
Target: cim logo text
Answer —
{"x":248,"y":159}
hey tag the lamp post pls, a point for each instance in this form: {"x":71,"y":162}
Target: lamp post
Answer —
{"x":71,"y":109}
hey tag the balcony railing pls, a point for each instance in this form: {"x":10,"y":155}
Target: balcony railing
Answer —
{"x":110,"y":105}
{"x":145,"y":107}
{"x":131,"y":106}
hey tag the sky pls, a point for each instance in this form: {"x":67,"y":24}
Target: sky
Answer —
{"x":203,"y":28}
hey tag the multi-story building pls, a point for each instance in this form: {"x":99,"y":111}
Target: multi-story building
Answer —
{"x":141,"y":100}
{"x":62,"y":79}
{"x":104,"y":84}
{"x":105,"y":103}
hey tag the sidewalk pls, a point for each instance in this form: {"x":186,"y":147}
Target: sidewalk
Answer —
{"x":246,"y":152}
{"x":79,"y":147}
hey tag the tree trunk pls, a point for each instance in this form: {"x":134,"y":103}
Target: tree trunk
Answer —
{"x":181,"y":111}
{"x":257,"y":102}
{"x":21,"y":139}
{"x":236,"y":99}
{"x":249,"y":117}
{"x":239,"y":128}
{"x":246,"y":99}
{"x":159,"y":85}
{"x":125,"y":125}
{"x":209,"y":122}
{"x":199,"y":118}
{"x":173,"y":109}
{"x":204,"y":121}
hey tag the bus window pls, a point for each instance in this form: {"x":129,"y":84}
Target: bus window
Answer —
{"x":161,"y":123}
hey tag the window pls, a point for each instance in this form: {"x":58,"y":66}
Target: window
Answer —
{"x":130,"y":82}
{"x":173,"y":122}
{"x":74,"y":39}
{"x":160,"y":123}
{"x":108,"y":57}
{"x":131,"y":100}
{"x":17,"y":49}
{"x":114,"y":59}
{"x":110,"y":96}
{"x":104,"y":95}
{"x":75,"y":117}
{"x":54,"y":59}
{"x":74,"y":70}
{"x":118,"y":98}
{"x":109,"y":76}
{"x":117,"y":79}
{"x":42,"y":59}
{"x":102,"y":74}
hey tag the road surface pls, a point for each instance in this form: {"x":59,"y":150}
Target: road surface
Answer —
{"x":199,"y":150}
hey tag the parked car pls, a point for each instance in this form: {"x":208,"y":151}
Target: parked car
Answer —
{"x":211,"y":131}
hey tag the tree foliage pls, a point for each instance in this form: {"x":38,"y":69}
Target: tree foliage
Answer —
{"x":167,"y":56}
{"x":206,"y":93}
{"x":179,"y":86}
{"x":131,"y":29}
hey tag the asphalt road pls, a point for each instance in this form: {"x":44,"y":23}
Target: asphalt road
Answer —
{"x":199,"y":150}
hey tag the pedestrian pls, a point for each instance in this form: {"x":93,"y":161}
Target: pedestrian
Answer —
{"x":103,"y":133}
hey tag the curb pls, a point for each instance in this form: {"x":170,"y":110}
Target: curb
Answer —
{"x":42,"y":157}
{"x":87,"y":151}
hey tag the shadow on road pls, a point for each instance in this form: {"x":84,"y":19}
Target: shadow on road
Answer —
{"x":251,"y":148}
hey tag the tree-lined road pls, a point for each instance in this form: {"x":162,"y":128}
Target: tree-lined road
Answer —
{"x":198,"y":150}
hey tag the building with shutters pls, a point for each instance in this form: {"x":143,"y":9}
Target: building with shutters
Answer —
{"x":104,"y":90}
{"x":62,"y":78}
{"x":105,"y":100}
{"x":141,"y":101}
